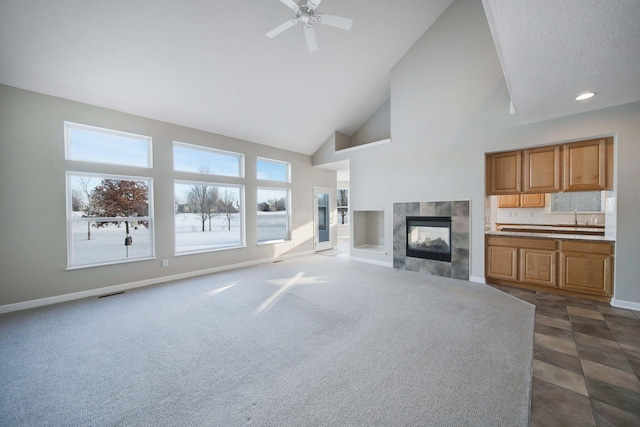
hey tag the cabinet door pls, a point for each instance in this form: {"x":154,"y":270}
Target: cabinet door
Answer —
{"x":542,"y":169}
{"x":585,"y":165}
{"x":538,"y":267}
{"x":506,"y":173}
{"x":502,"y":263}
{"x":531,"y":200}
{"x":509,"y":201}
{"x":586,"y":272}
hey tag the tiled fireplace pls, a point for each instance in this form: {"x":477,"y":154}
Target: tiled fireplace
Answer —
{"x":437,"y":240}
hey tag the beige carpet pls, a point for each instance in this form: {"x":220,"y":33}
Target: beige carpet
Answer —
{"x":313,"y":340}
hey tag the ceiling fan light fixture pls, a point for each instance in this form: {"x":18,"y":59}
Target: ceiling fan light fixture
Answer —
{"x":308,"y":16}
{"x":584,"y":96}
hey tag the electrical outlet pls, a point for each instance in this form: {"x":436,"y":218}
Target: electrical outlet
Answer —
{"x":165,"y":263}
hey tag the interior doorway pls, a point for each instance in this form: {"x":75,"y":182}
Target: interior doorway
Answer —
{"x":341,"y":224}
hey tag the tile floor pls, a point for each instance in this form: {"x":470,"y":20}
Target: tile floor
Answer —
{"x":586,"y":367}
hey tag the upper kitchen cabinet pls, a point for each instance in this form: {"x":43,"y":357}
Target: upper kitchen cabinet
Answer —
{"x":577,"y":166}
{"x":521,"y":201}
{"x":505,"y":172}
{"x":588,"y":165}
{"x":542,"y":169}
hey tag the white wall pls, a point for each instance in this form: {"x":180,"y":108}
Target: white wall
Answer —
{"x":33,"y":241}
{"x":376,"y":128}
{"x":449,"y":106}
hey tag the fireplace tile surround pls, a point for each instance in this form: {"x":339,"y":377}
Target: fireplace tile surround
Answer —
{"x":458,"y":268}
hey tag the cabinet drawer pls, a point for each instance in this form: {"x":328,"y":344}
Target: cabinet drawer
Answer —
{"x":603,"y":248}
{"x":548,"y":244}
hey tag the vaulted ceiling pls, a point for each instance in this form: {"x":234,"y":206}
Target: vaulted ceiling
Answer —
{"x":207,"y":64}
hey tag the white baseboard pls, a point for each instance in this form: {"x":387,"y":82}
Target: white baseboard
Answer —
{"x":625,"y":304}
{"x":8,"y":308}
{"x":477,"y":279}
{"x":371,"y":261}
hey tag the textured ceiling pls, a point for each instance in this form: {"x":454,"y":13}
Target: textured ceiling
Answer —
{"x":207,"y":64}
{"x":551,"y":51}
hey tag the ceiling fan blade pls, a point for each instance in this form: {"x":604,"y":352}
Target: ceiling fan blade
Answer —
{"x":291,"y":4}
{"x":282,"y":28}
{"x":313,"y":4}
{"x":336,"y":21}
{"x":310,"y":35}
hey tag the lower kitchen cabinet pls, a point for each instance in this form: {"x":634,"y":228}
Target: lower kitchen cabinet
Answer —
{"x":538,"y":267}
{"x":587,"y":267}
{"x":570,"y":267}
{"x":502,"y":262}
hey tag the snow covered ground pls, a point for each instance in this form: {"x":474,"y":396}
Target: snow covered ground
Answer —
{"x":107,"y":243}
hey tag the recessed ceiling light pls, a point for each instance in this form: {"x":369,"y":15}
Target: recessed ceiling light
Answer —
{"x":586,"y":95}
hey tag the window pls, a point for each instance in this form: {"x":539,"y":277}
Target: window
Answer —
{"x":273,"y":170}
{"x":92,"y":144}
{"x":109,"y":219}
{"x":582,"y":201}
{"x":204,"y":160}
{"x":273,"y":215}
{"x":343,"y":206}
{"x":208,"y":216}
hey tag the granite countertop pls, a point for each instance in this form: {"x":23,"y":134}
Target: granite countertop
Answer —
{"x":555,"y":236}
{"x":554,"y":227}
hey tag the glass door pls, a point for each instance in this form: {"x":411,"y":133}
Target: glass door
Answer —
{"x":323,"y":218}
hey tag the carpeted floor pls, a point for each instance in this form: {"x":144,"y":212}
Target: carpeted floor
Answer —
{"x":313,"y":340}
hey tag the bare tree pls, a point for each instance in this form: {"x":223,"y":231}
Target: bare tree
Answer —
{"x":88,"y":209}
{"x":202,"y":200}
{"x":227,"y":206}
{"x":277,"y":205}
{"x":343,"y":203}
{"x":77,"y":200}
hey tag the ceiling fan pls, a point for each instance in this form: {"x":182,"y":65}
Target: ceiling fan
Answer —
{"x":307,"y":15}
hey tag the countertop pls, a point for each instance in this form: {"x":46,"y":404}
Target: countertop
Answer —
{"x":585,"y":237}
{"x":583,"y":229}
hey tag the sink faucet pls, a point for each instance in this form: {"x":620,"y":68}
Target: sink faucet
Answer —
{"x":575,"y":217}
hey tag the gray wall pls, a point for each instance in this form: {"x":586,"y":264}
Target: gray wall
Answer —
{"x":449,"y":106}
{"x":33,"y":240}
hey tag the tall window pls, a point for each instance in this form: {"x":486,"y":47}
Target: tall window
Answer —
{"x":273,"y":214}
{"x":208,"y":216}
{"x":109,"y":216}
{"x":205,"y":160}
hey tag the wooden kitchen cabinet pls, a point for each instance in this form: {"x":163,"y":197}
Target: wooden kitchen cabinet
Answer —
{"x":542,"y":167}
{"x":585,"y":165}
{"x":576,"y":166}
{"x":581,"y":268}
{"x":587,"y":267}
{"x":521,"y":201}
{"x":502,"y":262}
{"x":538,"y":266}
{"x":509,"y":201}
{"x":505,"y":173}
{"x":532,"y":200}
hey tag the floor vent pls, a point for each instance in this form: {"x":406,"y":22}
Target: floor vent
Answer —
{"x":110,"y":295}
